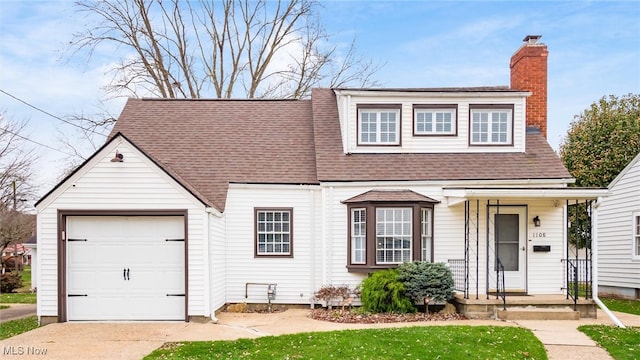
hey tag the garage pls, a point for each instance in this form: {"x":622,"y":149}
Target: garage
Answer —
{"x":125,"y":268}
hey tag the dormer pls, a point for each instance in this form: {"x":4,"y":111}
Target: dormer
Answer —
{"x":450,"y":120}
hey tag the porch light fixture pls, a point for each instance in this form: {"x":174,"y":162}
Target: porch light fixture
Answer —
{"x":536,"y":221}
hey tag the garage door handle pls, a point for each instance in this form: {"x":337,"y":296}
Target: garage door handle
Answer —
{"x":125,"y":274}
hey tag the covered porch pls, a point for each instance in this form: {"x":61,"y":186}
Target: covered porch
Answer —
{"x":520,"y":259}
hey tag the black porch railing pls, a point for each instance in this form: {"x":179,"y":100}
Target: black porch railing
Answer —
{"x":458,"y":270}
{"x":579,"y":279}
{"x":501,"y":292}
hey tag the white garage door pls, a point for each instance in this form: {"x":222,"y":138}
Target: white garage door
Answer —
{"x":125,"y":268}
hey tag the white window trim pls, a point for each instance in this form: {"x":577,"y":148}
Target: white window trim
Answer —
{"x":411,"y":237}
{"x":426,"y":233}
{"x":289,"y":232}
{"x":379,"y":125}
{"x":433,"y":112}
{"x":635,"y":239}
{"x":509,"y":131}
{"x":353,"y":236}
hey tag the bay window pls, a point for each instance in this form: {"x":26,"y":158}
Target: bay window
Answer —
{"x":385,"y":234}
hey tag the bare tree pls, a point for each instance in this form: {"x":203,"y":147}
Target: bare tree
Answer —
{"x":15,"y":165}
{"x":219,"y":48}
{"x":15,"y":227}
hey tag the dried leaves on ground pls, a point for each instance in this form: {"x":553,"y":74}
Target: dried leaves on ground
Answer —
{"x":355,"y":317}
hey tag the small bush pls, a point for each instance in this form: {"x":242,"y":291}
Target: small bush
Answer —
{"x":424,"y":279}
{"x":382,"y":292}
{"x":10,"y":281}
{"x":336,"y":295}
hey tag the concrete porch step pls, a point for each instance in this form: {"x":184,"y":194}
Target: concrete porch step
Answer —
{"x":537,"y":313}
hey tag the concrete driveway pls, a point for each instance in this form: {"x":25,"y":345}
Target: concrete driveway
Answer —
{"x":135,"y":340}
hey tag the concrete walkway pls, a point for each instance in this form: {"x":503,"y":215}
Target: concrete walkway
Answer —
{"x":135,"y":340}
{"x":17,"y":311}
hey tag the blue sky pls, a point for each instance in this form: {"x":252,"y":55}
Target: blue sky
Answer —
{"x":594,"y":50}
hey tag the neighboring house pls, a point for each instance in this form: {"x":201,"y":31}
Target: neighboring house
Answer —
{"x":619,"y":235}
{"x":31,"y":244}
{"x":194,"y":204}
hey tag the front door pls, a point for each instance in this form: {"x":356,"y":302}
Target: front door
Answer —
{"x":509,"y":246}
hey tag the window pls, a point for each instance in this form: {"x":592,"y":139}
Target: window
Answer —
{"x":379,"y":126}
{"x":274,"y":229}
{"x":491,"y":125}
{"x":383,"y":235}
{"x":358,"y":236}
{"x":426,"y":233}
{"x":393,"y":235}
{"x":434,"y":120}
{"x":636,"y":234}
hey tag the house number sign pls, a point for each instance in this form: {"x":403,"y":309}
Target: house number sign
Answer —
{"x":539,"y":235}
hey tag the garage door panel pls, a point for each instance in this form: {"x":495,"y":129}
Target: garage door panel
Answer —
{"x":126,"y":268}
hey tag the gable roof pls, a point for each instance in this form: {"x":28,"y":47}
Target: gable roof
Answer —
{"x":175,"y":176}
{"x":211,"y":143}
{"x":207,"y":144}
{"x":538,"y":162}
{"x":626,"y":169}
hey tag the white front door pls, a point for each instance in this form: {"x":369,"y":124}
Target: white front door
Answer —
{"x":508,"y":245}
{"x":125,"y":268}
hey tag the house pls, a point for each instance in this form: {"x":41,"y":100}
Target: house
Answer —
{"x":619,"y":235}
{"x":266,"y":201}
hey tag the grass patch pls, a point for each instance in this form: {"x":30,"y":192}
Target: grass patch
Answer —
{"x":16,"y":327}
{"x":625,"y":306}
{"x":429,"y":342}
{"x":24,"y":295}
{"x":18,"y":298}
{"x":621,"y":344}
{"x":4,"y":307}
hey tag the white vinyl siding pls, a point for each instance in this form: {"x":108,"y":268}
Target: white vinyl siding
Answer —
{"x":135,"y":184}
{"x":379,"y":127}
{"x":491,"y":126}
{"x":358,"y":236}
{"x":618,"y":263}
{"x":298,"y":276}
{"x":434,"y":121}
{"x":350,"y":105}
{"x":394,"y":235}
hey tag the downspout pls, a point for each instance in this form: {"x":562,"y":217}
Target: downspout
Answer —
{"x":210,"y":213}
{"x":594,"y":260}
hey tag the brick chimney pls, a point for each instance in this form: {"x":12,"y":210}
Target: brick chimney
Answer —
{"x":529,"y":73}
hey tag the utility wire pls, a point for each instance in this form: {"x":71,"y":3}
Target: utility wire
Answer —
{"x":35,"y":142}
{"x":50,"y":114}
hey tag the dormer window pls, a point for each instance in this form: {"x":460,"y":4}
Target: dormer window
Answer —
{"x":491,"y":125}
{"x":435,"y":119}
{"x":379,"y":125}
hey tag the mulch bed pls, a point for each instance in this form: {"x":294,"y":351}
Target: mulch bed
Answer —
{"x":353,"y":317}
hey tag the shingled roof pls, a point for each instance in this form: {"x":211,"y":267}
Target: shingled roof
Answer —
{"x":207,"y":144}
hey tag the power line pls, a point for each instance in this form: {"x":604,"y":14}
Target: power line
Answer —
{"x":50,"y":114}
{"x":35,"y":142}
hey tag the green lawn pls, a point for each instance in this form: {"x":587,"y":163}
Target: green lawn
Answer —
{"x":626,"y":306}
{"x":430,"y":342}
{"x":621,"y":344}
{"x":15,"y":327}
{"x":22,"y":295}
